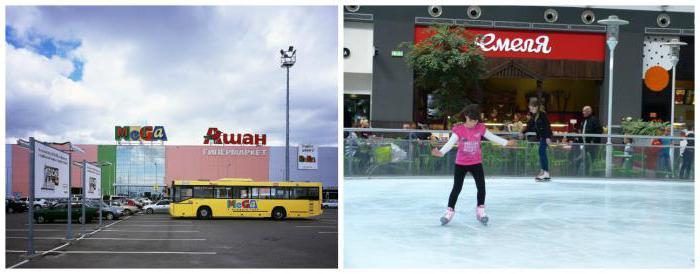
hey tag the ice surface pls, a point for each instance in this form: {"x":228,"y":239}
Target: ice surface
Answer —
{"x":572,"y":223}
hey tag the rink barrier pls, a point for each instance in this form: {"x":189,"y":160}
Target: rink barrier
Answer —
{"x":393,"y":154}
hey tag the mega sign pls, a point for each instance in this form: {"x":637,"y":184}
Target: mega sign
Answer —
{"x":216,"y":136}
{"x":533,"y":44}
{"x":242,"y":205}
{"x":136,"y":133}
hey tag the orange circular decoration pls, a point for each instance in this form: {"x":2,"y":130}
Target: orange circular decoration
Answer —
{"x":656,"y":78}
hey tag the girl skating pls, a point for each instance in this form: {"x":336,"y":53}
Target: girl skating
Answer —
{"x":468,"y":137}
{"x":539,"y":124}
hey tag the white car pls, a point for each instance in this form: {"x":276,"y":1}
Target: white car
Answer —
{"x":162,"y":206}
{"x":38,"y":203}
{"x":330,"y":204}
{"x":144,"y":201}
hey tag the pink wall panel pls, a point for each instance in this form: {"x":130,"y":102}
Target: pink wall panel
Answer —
{"x":20,"y":170}
{"x":20,"y":166}
{"x":197,"y":162}
{"x":90,"y":155}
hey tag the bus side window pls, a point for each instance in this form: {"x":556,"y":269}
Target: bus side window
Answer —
{"x":182,"y":193}
{"x":222,"y":193}
{"x":253,"y":192}
{"x":203,"y":192}
{"x":240,"y":192}
{"x":264,"y":192}
{"x":312,"y":193}
{"x":278,"y":193}
{"x":298,"y":193}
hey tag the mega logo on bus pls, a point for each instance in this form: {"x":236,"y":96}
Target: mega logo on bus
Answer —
{"x":137,"y":133}
{"x":241,"y":204}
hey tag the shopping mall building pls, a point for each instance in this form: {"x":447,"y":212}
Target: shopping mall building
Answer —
{"x":570,"y":70}
{"x":145,"y":167}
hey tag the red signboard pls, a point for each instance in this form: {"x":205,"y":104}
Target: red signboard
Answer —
{"x":534,"y":44}
{"x":216,"y":136}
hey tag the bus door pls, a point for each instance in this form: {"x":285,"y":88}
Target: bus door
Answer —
{"x":182,"y":204}
{"x":313,"y":196}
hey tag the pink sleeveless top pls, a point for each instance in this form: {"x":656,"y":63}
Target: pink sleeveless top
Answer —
{"x":469,"y":144}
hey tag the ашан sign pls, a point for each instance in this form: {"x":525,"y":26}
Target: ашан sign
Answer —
{"x":216,"y":136}
{"x":137,"y":133}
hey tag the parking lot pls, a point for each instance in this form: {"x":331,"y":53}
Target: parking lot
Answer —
{"x":148,"y":241}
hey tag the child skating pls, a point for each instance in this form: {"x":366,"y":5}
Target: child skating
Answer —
{"x":468,"y":137}
{"x":539,"y":124}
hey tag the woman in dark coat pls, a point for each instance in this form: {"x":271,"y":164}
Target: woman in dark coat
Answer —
{"x":539,"y":124}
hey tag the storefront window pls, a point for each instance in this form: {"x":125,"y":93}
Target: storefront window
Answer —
{"x":357,"y":107}
{"x":140,"y":169}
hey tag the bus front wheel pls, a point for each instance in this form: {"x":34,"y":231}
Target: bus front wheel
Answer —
{"x":278,"y":213}
{"x":204,"y":213}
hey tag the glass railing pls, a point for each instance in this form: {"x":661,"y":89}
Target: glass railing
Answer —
{"x":385,"y":152}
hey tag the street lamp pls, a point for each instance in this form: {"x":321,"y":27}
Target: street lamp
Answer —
{"x":613,"y":31}
{"x":289,"y":57}
{"x":103,"y":164}
{"x":675,"y":46}
{"x":156,"y":177}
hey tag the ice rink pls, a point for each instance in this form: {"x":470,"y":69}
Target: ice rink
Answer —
{"x":566,"y":223}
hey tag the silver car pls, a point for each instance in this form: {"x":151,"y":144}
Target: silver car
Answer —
{"x":162,"y":206}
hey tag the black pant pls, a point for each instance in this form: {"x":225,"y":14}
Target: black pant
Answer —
{"x":687,"y":164}
{"x":477,"y":172}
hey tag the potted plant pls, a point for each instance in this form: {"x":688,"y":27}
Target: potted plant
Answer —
{"x":640,"y":127}
{"x":449,"y":65}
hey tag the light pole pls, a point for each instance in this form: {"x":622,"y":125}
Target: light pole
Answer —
{"x":289,"y":57}
{"x":675,"y":46}
{"x":103,"y":164}
{"x":613,"y":31}
{"x":156,"y":179}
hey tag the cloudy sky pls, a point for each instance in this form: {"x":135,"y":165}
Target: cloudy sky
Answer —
{"x":73,"y":73}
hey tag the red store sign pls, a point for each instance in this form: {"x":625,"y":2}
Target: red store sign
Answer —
{"x":534,"y":44}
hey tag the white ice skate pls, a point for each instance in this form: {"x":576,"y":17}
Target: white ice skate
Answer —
{"x":481,"y":215}
{"x":543,"y":177}
{"x":448,"y":216}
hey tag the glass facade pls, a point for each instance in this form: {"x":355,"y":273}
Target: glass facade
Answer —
{"x":140,"y":170}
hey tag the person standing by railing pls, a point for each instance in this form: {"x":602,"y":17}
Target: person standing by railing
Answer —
{"x":539,"y":123}
{"x":663,"y":161}
{"x":589,"y":147}
{"x":468,"y":136}
{"x":687,"y":153}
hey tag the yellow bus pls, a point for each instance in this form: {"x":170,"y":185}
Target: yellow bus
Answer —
{"x":244,"y":198}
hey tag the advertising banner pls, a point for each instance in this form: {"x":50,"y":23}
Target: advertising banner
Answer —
{"x":51,"y":168}
{"x":308,"y":157}
{"x":92,"y":177}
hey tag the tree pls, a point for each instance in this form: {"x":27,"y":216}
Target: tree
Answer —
{"x":449,"y":64}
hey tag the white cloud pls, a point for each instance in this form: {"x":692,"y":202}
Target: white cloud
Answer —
{"x":186,"y":68}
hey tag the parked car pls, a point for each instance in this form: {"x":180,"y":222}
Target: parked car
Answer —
{"x":108,"y":212}
{"x":162,"y":206}
{"x":145,"y":201}
{"x":127,"y":209}
{"x":330,"y":204}
{"x":12,"y":206}
{"x":134,"y":202}
{"x":60,"y":212}
{"x":38,"y":203}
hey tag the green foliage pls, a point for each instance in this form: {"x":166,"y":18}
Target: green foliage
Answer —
{"x":449,"y":63}
{"x":640,"y":127}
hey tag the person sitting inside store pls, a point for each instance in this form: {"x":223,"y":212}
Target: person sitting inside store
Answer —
{"x":418,"y":135}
